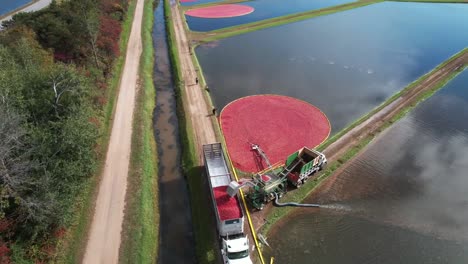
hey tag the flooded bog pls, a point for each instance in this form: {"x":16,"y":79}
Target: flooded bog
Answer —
{"x":345,"y":63}
{"x":405,"y":195}
{"x":264,"y":9}
{"x":328,"y":238}
{"x":10,"y":5}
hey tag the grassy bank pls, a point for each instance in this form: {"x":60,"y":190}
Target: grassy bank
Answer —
{"x":141,"y":223}
{"x":205,"y":235}
{"x":254,"y":26}
{"x":71,"y":248}
{"x":300,"y":194}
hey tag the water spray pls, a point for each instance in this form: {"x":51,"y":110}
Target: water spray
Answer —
{"x":277,"y":203}
{"x":323,"y":206}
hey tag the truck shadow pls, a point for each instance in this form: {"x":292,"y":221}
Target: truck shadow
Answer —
{"x":204,"y":219}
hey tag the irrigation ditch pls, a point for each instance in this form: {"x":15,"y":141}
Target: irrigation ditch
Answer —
{"x":205,"y":236}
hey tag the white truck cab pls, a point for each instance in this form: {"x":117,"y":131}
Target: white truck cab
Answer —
{"x":236,"y":250}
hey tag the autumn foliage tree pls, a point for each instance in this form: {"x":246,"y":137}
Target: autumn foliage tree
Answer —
{"x":53,"y":65}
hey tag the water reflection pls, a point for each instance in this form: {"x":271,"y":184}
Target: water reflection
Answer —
{"x":10,"y":5}
{"x":175,"y":230}
{"x":264,"y":9}
{"x":346,"y":63}
{"x":407,"y":194}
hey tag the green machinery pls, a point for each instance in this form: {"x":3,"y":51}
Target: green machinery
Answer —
{"x":265,"y":186}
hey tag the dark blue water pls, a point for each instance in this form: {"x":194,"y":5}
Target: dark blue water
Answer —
{"x":264,"y":9}
{"x":10,"y":5}
{"x":346,"y":63}
{"x":406,"y":195}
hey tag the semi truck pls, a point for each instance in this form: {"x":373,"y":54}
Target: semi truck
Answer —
{"x":228,"y":212}
{"x":266,"y":186}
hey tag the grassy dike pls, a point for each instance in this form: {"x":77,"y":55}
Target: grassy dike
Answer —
{"x":277,"y":21}
{"x":141,"y":221}
{"x":300,"y":194}
{"x":205,"y":235}
{"x":71,"y":247}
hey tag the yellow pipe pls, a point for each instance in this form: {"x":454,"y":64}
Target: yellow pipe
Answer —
{"x":274,"y":166}
{"x":272,"y":259}
{"x":252,"y":229}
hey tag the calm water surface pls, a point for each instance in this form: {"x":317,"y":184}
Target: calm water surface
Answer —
{"x":197,"y":2}
{"x":175,"y":230}
{"x":264,"y":9}
{"x":405,"y":197}
{"x":10,"y":5}
{"x":346,"y":63}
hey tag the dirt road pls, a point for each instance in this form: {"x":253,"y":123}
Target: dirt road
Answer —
{"x":104,"y":237}
{"x":195,"y":103}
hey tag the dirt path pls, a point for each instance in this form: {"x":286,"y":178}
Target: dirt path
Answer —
{"x":104,"y":237}
{"x":195,"y":104}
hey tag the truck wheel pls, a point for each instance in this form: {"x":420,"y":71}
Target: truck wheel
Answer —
{"x":323,"y":166}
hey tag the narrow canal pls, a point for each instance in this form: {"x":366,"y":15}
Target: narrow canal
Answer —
{"x":405,"y":196}
{"x":176,"y":243}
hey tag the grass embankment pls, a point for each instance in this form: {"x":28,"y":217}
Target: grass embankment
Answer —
{"x":300,"y":194}
{"x":205,"y":235}
{"x":71,"y":248}
{"x":141,"y":222}
{"x":206,"y":94}
{"x":254,"y":26}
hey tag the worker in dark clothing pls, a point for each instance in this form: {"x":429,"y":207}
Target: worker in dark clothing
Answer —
{"x":214,"y":111}
{"x":196,"y":80}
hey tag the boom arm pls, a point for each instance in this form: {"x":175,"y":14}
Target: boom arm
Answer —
{"x":234,"y":187}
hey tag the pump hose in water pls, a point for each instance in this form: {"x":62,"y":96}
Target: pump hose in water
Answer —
{"x":277,"y":203}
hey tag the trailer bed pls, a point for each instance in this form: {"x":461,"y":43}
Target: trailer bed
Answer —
{"x":228,"y":208}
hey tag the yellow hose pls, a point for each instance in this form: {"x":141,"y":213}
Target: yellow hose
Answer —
{"x":252,"y":229}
